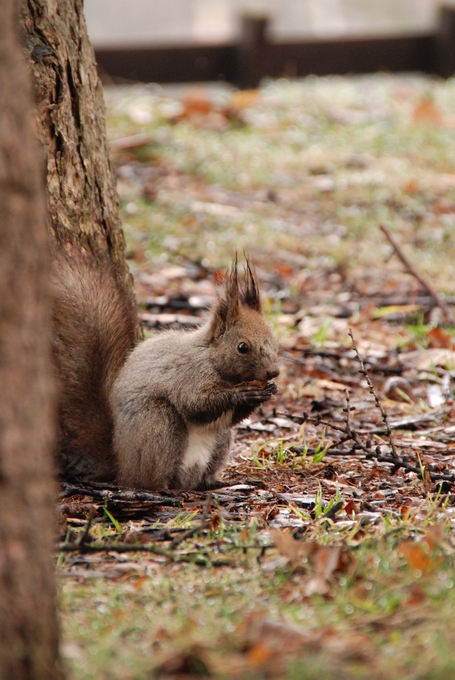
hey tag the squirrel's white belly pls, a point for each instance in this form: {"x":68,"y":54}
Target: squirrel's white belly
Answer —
{"x":202,"y":440}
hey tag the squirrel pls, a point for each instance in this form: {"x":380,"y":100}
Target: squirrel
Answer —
{"x":157,"y":415}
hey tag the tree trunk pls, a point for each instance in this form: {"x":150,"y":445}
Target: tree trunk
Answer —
{"x":28,"y":627}
{"x":83,"y":204}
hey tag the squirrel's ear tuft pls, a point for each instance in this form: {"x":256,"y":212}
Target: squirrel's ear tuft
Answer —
{"x":249,"y":294}
{"x":226,"y":309}
{"x":235,"y":293}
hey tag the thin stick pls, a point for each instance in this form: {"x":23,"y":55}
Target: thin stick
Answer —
{"x":425,"y":284}
{"x":348,"y":413}
{"x":198,"y":528}
{"x":109,"y":495}
{"x":81,"y":541}
{"x":385,"y":419}
{"x":369,"y":452}
{"x":197,"y":556}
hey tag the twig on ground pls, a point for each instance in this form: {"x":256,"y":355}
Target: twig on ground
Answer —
{"x":402,"y":463}
{"x":117,"y":547}
{"x":197,"y":556}
{"x":425,"y":284}
{"x":348,"y":413}
{"x":385,"y":419}
{"x":82,"y":539}
{"x":408,"y":422}
{"x":373,"y":453}
{"x":109,"y":495}
{"x":349,"y":434}
{"x":197,"y":529}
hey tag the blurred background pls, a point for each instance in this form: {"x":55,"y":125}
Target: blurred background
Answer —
{"x":243,"y":41}
{"x":147,"y":22}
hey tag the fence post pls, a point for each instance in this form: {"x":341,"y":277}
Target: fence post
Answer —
{"x":445,"y":42}
{"x":250,"y":50}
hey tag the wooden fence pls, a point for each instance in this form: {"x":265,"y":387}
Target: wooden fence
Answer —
{"x":253,"y":57}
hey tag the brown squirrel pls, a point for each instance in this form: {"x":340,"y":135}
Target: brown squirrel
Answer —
{"x":158,"y":415}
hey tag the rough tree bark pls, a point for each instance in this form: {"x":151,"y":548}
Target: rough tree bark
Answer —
{"x":83,"y":204}
{"x":28,"y":628}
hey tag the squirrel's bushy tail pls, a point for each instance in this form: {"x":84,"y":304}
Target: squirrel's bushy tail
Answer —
{"x":94,"y":322}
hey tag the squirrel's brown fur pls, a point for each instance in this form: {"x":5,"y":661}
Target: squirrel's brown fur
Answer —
{"x":159,"y":415}
{"x":94,"y":323}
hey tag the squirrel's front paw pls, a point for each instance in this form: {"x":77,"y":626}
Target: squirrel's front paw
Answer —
{"x":255,"y":392}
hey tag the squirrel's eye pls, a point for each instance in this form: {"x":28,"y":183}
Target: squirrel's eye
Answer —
{"x":242,"y":348}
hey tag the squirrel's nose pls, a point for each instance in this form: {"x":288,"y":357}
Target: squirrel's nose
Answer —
{"x":273,"y":374}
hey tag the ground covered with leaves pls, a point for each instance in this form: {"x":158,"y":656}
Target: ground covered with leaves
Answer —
{"x":329,"y":552}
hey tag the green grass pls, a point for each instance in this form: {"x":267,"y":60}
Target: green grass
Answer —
{"x":383,"y":612}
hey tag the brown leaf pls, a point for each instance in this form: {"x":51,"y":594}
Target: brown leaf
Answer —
{"x":272,"y":512}
{"x":244,"y":535}
{"x":259,"y":653}
{"x":443,"y":206}
{"x":351,"y":508}
{"x":325,"y":562}
{"x":362,"y":591}
{"x":289,"y":547}
{"x":196,"y":103}
{"x":411,"y":187}
{"x":416,"y":595}
{"x":406,"y":508}
{"x":244,"y":99}
{"x":135,"y":537}
{"x":427,"y":483}
{"x":139,"y":582}
{"x":317,"y":585}
{"x":438,"y":337}
{"x":215,"y":521}
{"x":415,"y":555}
{"x":428,"y":359}
{"x":435,"y":535}
{"x":398,"y":389}
{"x":330,"y":385}
{"x":426,"y":111}
{"x":263,"y":639}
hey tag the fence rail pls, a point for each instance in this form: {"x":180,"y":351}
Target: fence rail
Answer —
{"x":253,"y":57}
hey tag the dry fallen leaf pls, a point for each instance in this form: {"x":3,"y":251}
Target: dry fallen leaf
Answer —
{"x":244,"y":535}
{"x":196,"y":103}
{"x":259,"y":654}
{"x":351,"y":508}
{"x":435,"y":535}
{"x":291,"y":548}
{"x":416,"y":595}
{"x":244,"y":99}
{"x":415,"y":555}
{"x":398,"y":389}
{"x":438,"y":337}
{"x":429,"y":358}
{"x":325,"y":562}
{"x":405,"y":509}
{"x":426,"y":111}
{"x":266,"y":641}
